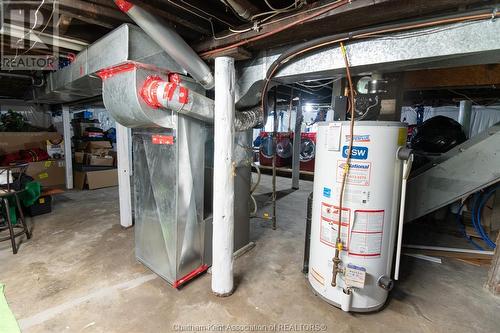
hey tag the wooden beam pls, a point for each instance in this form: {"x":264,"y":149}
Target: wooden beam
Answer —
{"x":63,"y":23}
{"x":91,"y":20}
{"x":493,"y":283}
{"x":469,"y":76}
{"x":237,"y":53}
{"x":95,"y":10}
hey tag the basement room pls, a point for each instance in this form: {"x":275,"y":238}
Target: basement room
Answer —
{"x":249,"y":166}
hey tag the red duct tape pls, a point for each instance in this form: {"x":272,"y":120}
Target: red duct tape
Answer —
{"x":149,"y":91}
{"x":112,"y":71}
{"x":183,"y":95}
{"x":190,"y":276}
{"x":169,"y":90}
{"x":174,"y":78}
{"x":162,"y":139}
{"x":124,"y":5}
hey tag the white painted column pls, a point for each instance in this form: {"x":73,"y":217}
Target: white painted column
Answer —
{"x":123,"y":156}
{"x":223,"y":205}
{"x":68,"y":156}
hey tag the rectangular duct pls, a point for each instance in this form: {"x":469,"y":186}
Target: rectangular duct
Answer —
{"x":78,"y":81}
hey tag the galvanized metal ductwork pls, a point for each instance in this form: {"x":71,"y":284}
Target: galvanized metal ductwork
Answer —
{"x":139,"y":95}
{"x":171,"y":42}
{"x":79,"y":81}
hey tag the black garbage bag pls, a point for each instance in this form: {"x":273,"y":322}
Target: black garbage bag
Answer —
{"x":437,"y":135}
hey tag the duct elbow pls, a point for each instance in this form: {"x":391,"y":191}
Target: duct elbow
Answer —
{"x":208,"y":81}
{"x":171,"y":42}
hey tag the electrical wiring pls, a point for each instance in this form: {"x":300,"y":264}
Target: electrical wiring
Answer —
{"x":321,"y":86}
{"x":275,"y":11}
{"x":263,"y":24}
{"x":257,"y":24}
{"x":426,"y":32}
{"x":31,"y":29}
{"x":463,"y":231}
{"x":278,"y":9}
{"x":345,"y":173}
{"x":254,"y":187}
{"x":199,"y":15}
{"x":277,"y":30}
{"x":45,"y":27}
{"x":35,"y":23}
{"x":296,"y":14}
{"x":463,"y":95}
{"x":322,"y":42}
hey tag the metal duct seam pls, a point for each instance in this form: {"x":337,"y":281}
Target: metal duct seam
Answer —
{"x":169,"y":41}
{"x":139,"y":95}
{"x":171,"y":95}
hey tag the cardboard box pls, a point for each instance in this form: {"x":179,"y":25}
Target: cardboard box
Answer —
{"x":55,"y":148}
{"x":79,"y":157}
{"x":115,"y":157}
{"x":100,"y":160}
{"x":79,"y":128}
{"x":48,"y":173}
{"x":101,"y":148}
{"x":11,"y":142}
{"x":95,"y":179}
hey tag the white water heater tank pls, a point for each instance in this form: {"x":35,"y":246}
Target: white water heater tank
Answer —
{"x":369,"y":212}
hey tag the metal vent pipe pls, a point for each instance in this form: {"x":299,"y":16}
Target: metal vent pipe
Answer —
{"x":169,"y":41}
{"x":245,"y":9}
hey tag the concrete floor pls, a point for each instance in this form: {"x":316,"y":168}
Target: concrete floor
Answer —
{"x":78,"y":274}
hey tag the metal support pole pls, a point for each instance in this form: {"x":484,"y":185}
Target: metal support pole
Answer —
{"x":464,"y":116}
{"x":224,"y":173}
{"x":68,"y":157}
{"x":275,"y":140}
{"x":296,"y":146}
{"x":123,"y":163}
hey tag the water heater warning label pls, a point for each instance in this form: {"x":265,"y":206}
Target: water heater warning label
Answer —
{"x":359,"y":172}
{"x":329,"y":225}
{"x":367,"y":232}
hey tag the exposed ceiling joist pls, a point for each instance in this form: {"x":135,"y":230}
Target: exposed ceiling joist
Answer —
{"x":357,"y":14}
{"x":19,"y":32}
{"x":63,"y":23}
{"x":95,"y":9}
{"x":91,"y":20}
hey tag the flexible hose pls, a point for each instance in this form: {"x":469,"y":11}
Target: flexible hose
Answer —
{"x":476,"y":215}
{"x":252,"y":190}
{"x":463,"y":231}
{"x":259,"y":174}
{"x":475,"y":203}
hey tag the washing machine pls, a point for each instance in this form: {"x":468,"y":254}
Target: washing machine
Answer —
{"x":284,"y":149}
{"x":307,"y":151}
{"x":266,"y":149}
